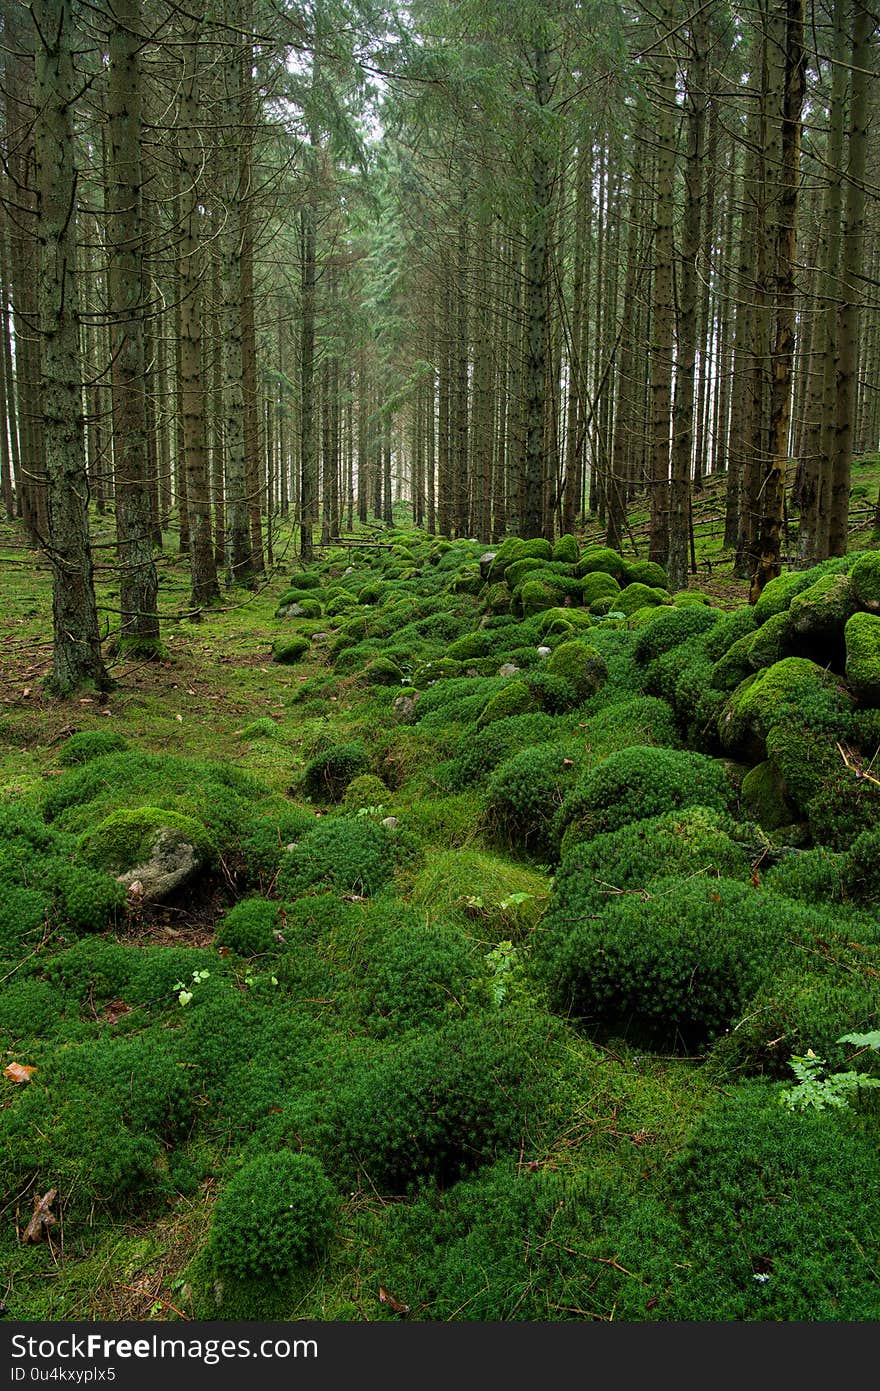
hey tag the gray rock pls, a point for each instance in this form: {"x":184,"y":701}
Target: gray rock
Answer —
{"x":544,"y":651}
{"x":173,"y":863}
{"x":486,"y":564}
{"x":389,"y":821}
{"x":508,"y":669}
{"x":404,"y":707}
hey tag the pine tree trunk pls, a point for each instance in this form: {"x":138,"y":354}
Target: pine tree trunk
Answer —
{"x":663,"y":305}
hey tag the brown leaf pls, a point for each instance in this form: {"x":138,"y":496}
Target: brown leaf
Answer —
{"x":115,"y":1010}
{"x":42,"y":1219}
{"x":18,"y":1072}
{"x":395,"y":1305}
{"x":568,"y":763}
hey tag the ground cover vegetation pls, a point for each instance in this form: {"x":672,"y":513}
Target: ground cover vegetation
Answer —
{"x":484,"y":990}
{"x":440,"y":687}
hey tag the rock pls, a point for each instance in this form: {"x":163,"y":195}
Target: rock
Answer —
{"x":566,"y":549}
{"x":509,"y":669}
{"x":763,"y":792}
{"x":404,"y":707}
{"x":173,"y":863}
{"x":820,"y":611}
{"x":776,"y":695}
{"x":515,"y":699}
{"x":544,"y":652}
{"x":598,"y":584}
{"x":389,"y":822}
{"x":636,"y":596}
{"x":865,"y":577}
{"x":580,"y":664}
{"x":485,"y":563}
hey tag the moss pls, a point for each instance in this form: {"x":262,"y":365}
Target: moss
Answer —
{"x":865,"y":578}
{"x":288,"y":650}
{"x":328,"y":774}
{"x":438,"y":669}
{"x":347,"y":853}
{"x":604,"y":559}
{"x":566,"y":550}
{"x":779,"y":693}
{"x":772,"y":641}
{"x":729,"y":628}
{"x":688,"y":597}
{"x":776,"y":596}
{"x":381,"y":671}
{"x":862,"y":635}
{"x":524,"y":795}
{"x":502,"y":899}
{"x":639,"y":596}
{"x":763,"y":794}
{"x":263,"y":728}
{"x":416,"y":977}
{"x":275,"y":1214}
{"x":496,"y":598}
{"x":478,"y":644}
{"x":366,"y":790}
{"x":581,"y":664}
{"x":468,"y":581}
{"x":669,"y":628}
{"x":126,"y":839}
{"x":820,"y":611}
{"x":91,"y":743}
{"x":514,"y":699}
{"x":534,"y":596}
{"x":647,"y":572}
{"x":518,"y":569}
{"x":598,"y":584}
{"x":249,"y":927}
{"x":735,"y":665}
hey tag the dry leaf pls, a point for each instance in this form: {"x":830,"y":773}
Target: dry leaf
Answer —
{"x":42,"y":1218}
{"x":18,"y":1072}
{"x":179,"y":719}
{"x":395,"y":1305}
{"x":26,"y":691}
{"x":136,"y":889}
{"x":115,"y":1010}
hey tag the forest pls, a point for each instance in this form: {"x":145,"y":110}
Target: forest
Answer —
{"x":440,"y":660}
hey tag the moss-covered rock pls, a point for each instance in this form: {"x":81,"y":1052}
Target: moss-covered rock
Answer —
{"x":440,"y":669}
{"x":566,"y":550}
{"x":561,"y":620}
{"x":819,"y":612}
{"x":691,"y":597}
{"x":468,"y":581}
{"x":534,"y":596}
{"x":514,"y":699}
{"x":159,"y":849}
{"x":647,"y":572}
{"x":289,"y":650}
{"x":791,"y":688}
{"x":496,"y":599}
{"x":776,"y":596}
{"x":639,"y":596}
{"x":366,"y":790}
{"x":763,"y":795}
{"x":382,"y":672}
{"x":734,"y":666}
{"x":598,"y":584}
{"x":518,"y":569}
{"x":865,"y":579}
{"x":580,"y":664}
{"x":602,"y":558}
{"x":862,"y":635}
{"x":771,"y":642}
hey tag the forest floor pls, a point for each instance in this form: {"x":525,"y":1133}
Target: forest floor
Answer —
{"x":625,"y":1113}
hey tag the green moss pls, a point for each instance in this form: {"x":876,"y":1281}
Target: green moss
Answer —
{"x":862,"y":635}
{"x":763,"y":794}
{"x":639,"y":596}
{"x":503,"y":899}
{"x":328,"y":774}
{"x":776,"y":596}
{"x":604,"y":559}
{"x":275,"y":1214}
{"x":347,"y":853}
{"x":382,"y":672}
{"x":772,"y":641}
{"x":566,"y":550}
{"x":581,"y":664}
{"x":263,"y":728}
{"x":513,"y":699}
{"x":598,"y":584}
{"x":417,"y":978}
{"x":468,"y":581}
{"x":669,"y":628}
{"x":91,"y":743}
{"x":288,"y":650}
{"x":534,"y":596}
{"x":647,"y":572}
{"x":126,"y":839}
{"x":438,"y":669}
{"x":865,"y":578}
{"x":795,"y":686}
{"x":524,"y":795}
{"x":820,"y":611}
{"x":249,"y":927}
{"x":735,"y":665}
{"x":366,"y":790}
{"x":518,"y":569}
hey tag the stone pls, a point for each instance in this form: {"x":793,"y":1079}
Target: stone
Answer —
{"x":173,"y":864}
{"x":509,"y":669}
{"x":404,"y":707}
{"x":485,"y":563}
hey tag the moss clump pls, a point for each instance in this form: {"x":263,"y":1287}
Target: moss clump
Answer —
{"x":126,"y":839}
{"x":504,"y":899}
{"x":417,"y":977}
{"x":772,"y":641}
{"x":91,"y":743}
{"x":305,"y":579}
{"x":275,"y":1214}
{"x":381,"y":671}
{"x":865,"y":578}
{"x":350,"y":854}
{"x":468,"y":581}
{"x":641,"y":782}
{"x":805,"y":1191}
{"x":263,"y":728}
{"x":499,"y":740}
{"x":370,"y":593}
{"x":820,"y":611}
{"x":265,"y":837}
{"x":598,"y":584}
{"x":328,"y":774}
{"x":735,"y":665}
{"x":790,"y":689}
{"x":479,"y":644}
{"x":862,"y":635}
{"x":647,"y":572}
{"x":288,"y":650}
{"x":441,"y":1103}
{"x":534,"y":596}
{"x":729,"y":628}
{"x":670,"y":968}
{"x":581,"y":664}
{"x":776,"y":596}
{"x":366,"y":790}
{"x":566,"y":549}
{"x":668,"y":628}
{"x":438,"y":669}
{"x":524,"y":796}
{"x":604,"y":559}
{"x":249,"y":927}
{"x":763,"y":794}
{"x":639,"y":596}
{"x":514,"y":699}
{"x":516,"y":572}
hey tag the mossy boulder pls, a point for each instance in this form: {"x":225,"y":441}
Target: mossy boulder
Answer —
{"x":440,"y":669}
{"x":366,"y":790}
{"x":517,"y":571}
{"x":605,"y":559}
{"x":734,"y":666}
{"x":687,"y":597}
{"x":771,"y":642}
{"x":865,"y":579}
{"x":514,"y":699}
{"x":862,"y":636}
{"x":289,"y":650}
{"x":382,"y":672}
{"x":509,"y":551}
{"x":791,"y":688}
{"x":534,"y":596}
{"x":639,"y":596}
{"x":566,"y":549}
{"x":560,"y":620}
{"x":476,"y":644}
{"x":580,"y":664}
{"x":819,"y":613}
{"x":598,"y":584}
{"x":160,"y":849}
{"x":647,"y":572}
{"x":468,"y":581}
{"x":776,"y":596}
{"x":763,"y":795}
{"x":496,"y":598}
